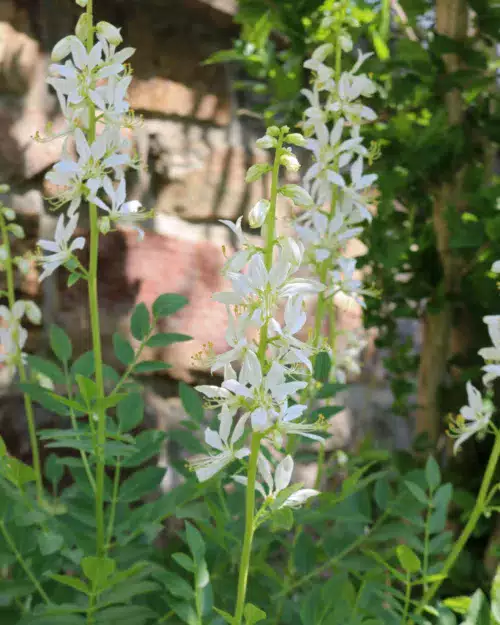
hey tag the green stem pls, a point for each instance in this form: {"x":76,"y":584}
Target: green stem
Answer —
{"x":74,"y":425}
{"x":331,"y":562}
{"x":425,"y":566}
{"x":22,"y":563}
{"x":474,"y":517}
{"x":28,"y":405}
{"x":270,"y":234}
{"x":249,"y":528}
{"x":95,"y":328}
{"x":114,"y":501}
{"x":407,"y":598}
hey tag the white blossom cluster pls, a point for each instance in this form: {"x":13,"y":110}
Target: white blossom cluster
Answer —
{"x":91,"y":83}
{"x":13,"y":335}
{"x":475,"y":417}
{"x":262,"y":396}
{"x":336,"y":180}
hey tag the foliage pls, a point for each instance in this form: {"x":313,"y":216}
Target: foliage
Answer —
{"x":81,"y":537}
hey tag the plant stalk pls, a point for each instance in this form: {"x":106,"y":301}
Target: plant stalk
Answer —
{"x":270,"y":234}
{"x":474,"y":517}
{"x":95,"y":329}
{"x":28,"y":405}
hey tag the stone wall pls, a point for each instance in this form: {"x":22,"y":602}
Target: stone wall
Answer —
{"x":196,"y":150}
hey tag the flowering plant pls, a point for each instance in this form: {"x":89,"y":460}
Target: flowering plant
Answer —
{"x":79,"y":531}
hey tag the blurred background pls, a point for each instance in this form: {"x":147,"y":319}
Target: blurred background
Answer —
{"x":208,"y":76}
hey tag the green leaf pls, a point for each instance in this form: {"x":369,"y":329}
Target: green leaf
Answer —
{"x":330,"y":390}
{"x":184,"y":561}
{"x":123,"y":350}
{"x":432,"y":473}
{"x":73,"y":279}
{"x":191,"y":401}
{"x":408,"y":559}
{"x":98,"y":570}
{"x":168,"y":304}
{"x":141,"y":483}
{"x":49,"y":543}
{"x":322,"y":366}
{"x":129,"y":614}
{"x":46,"y":368}
{"x":72,"y":582}
{"x":140,"y":322}
{"x":175,"y":584}
{"x":479,"y":610}
{"x":54,"y":470}
{"x":88,"y":389}
{"x":149,"y":366}
{"x":253,"y":614}
{"x":282,"y":520}
{"x":195,"y":542}
{"x":10,"y":589}
{"x":164,"y":339}
{"x":84,"y":365}
{"x":326,"y":411}
{"x":18,"y":472}
{"x":130,"y":412}
{"x":417,"y":492}
{"x":185,"y":612}
{"x":60,"y":343}
{"x":257,"y":171}
{"x":495,"y":597}
{"x":226,"y":616}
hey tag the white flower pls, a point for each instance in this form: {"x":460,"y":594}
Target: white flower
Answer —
{"x":496,"y":266}
{"x":261,"y":395}
{"x":473,"y":417}
{"x":14,"y":336}
{"x":281,"y":481}
{"x":120,"y":211}
{"x":258,"y":213}
{"x":286,"y":423}
{"x":60,"y":249}
{"x":492,"y":354}
{"x":207,"y":466}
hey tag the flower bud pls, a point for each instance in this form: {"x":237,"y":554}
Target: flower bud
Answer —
{"x":109,"y":32}
{"x":322,"y":52}
{"x":104,"y":225}
{"x":9,"y":214}
{"x":82,"y":27}
{"x":4,"y":188}
{"x":258,"y":214}
{"x":496,"y":266}
{"x":16,"y":230}
{"x":273,"y":131}
{"x":257,"y":171}
{"x":44,"y":381}
{"x":33,"y":312}
{"x":3,"y":253}
{"x":345,"y":42}
{"x":297,"y":194}
{"x":62,"y":49}
{"x":23,"y":264}
{"x":81,"y":3}
{"x":295,"y":138}
{"x":266,"y":142}
{"x":290,"y":161}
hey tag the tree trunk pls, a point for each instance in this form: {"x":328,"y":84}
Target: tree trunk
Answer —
{"x":451,"y":20}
